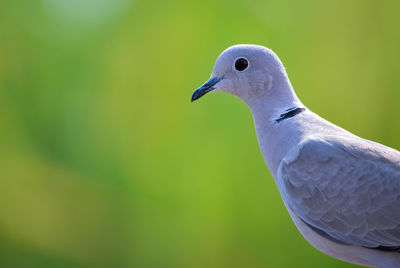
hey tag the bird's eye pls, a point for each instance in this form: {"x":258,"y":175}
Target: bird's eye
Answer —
{"x":241,"y":64}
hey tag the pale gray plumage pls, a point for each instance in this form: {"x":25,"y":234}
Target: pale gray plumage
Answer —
{"x":342,"y":191}
{"x":348,"y":188}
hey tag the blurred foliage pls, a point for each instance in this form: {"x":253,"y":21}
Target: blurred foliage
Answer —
{"x":105,"y":163}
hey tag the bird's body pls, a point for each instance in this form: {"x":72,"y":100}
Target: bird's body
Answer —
{"x":342,"y":191}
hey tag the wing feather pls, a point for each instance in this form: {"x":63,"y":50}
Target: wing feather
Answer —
{"x":348,"y":188}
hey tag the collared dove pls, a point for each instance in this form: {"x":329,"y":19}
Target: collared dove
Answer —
{"x":342,"y":191}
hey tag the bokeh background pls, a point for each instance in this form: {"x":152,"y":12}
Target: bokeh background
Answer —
{"x":104,"y":162}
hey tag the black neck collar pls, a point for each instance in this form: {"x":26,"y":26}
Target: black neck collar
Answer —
{"x":290,"y":113}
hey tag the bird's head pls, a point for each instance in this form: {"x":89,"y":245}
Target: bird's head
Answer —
{"x":246,"y":71}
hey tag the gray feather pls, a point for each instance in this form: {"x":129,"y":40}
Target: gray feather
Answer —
{"x":349,"y":190}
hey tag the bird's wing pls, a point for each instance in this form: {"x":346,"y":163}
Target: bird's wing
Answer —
{"x":345,"y":188}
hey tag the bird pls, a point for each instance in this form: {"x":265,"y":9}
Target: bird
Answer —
{"x":341,"y":191}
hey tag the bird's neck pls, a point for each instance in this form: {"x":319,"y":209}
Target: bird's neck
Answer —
{"x":279,"y":97}
{"x":276,"y":137}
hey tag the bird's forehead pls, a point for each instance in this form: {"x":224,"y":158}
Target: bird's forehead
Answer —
{"x":242,"y":51}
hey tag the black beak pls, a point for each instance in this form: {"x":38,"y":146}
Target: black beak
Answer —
{"x":204,"y":89}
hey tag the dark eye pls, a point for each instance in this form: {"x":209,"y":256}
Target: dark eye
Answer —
{"x":241,"y":64}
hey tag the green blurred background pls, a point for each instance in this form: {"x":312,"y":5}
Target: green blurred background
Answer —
{"x":104,"y":162}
